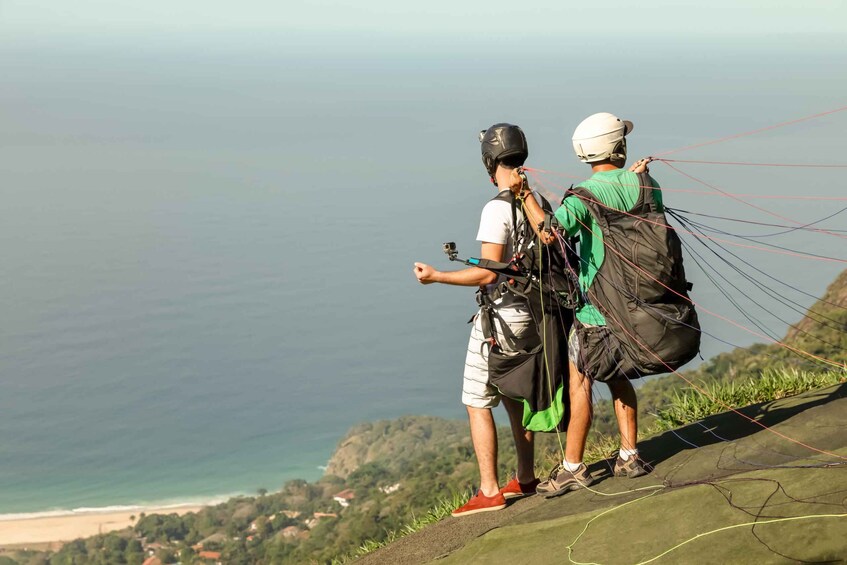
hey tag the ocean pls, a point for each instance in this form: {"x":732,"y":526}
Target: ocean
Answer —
{"x":207,"y":246}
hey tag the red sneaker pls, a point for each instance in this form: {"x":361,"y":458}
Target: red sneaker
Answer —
{"x":514,"y":489}
{"x":481,"y":503}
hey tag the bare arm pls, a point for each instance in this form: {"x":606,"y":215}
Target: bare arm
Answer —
{"x":531,"y":209}
{"x":472,"y":276}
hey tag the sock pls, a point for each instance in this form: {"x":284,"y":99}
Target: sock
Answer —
{"x":627,"y":453}
{"x":572,"y":467}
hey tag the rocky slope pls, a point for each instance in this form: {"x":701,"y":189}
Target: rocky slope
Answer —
{"x":393,"y":441}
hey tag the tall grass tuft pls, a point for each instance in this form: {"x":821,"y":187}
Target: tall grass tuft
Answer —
{"x":690,"y":405}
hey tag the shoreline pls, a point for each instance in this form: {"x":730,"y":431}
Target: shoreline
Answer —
{"x":51,"y":529}
{"x":161,"y":506}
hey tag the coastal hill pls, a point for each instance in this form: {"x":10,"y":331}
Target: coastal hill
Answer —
{"x":715,"y":469}
{"x":385,"y":440}
{"x":830,"y":306}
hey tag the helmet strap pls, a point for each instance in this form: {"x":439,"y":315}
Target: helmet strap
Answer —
{"x":619,"y":152}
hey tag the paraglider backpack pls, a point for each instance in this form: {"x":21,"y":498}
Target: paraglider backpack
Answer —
{"x":534,"y":376}
{"x":641,"y":290}
{"x":546,"y":267}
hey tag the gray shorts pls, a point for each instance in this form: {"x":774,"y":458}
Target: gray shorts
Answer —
{"x":477,"y":391}
{"x":574,"y":349}
{"x":573,"y":346}
{"x":597,"y":353}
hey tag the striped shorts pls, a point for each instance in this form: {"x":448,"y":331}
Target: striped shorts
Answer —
{"x":477,"y":391}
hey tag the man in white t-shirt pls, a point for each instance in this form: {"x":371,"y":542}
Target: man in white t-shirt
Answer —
{"x":504,"y":148}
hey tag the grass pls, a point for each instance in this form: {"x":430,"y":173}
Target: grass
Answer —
{"x":691,"y":405}
{"x":601,"y":446}
{"x":684,"y":407}
{"x":442,"y":509}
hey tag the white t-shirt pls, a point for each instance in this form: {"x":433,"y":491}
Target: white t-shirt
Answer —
{"x":495,"y":226}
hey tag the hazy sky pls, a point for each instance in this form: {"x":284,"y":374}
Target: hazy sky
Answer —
{"x":499,"y":20}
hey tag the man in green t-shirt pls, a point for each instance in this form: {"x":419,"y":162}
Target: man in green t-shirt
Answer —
{"x":600,"y":141}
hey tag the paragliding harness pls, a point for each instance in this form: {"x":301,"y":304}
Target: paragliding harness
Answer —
{"x":536,"y":375}
{"x":651,"y":325}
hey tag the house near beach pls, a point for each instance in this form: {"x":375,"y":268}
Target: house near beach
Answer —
{"x":317,"y":516}
{"x":344,"y":497}
{"x":210,"y":556}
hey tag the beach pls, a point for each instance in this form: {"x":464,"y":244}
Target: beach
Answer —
{"x":49,"y":530}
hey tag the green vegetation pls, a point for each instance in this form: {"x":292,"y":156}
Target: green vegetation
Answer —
{"x":684,"y":407}
{"x":691,"y":405}
{"x":441,"y":510}
{"x":415,"y":464}
{"x":252,"y":530}
{"x":410,"y":472}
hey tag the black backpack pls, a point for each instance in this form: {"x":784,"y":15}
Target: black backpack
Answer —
{"x":547,"y":267}
{"x":537,"y":376}
{"x":642,"y":293}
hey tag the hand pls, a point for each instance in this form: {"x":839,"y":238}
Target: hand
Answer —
{"x":547,"y":237}
{"x":424,"y":273}
{"x":516,"y":181}
{"x":640,"y":166}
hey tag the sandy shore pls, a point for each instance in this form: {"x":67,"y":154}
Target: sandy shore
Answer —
{"x":19,"y":532}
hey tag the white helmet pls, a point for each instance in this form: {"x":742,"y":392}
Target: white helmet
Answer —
{"x":601,"y":136}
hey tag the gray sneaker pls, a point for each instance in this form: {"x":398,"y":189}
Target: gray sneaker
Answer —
{"x":632,"y":467}
{"x":561,"y":481}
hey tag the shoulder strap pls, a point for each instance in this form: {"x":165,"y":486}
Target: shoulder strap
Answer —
{"x":508,"y":196}
{"x":589,"y":199}
{"x":646,"y":202}
{"x":566,"y":194}
{"x":592,"y":204}
{"x":504,"y":195}
{"x":580,"y":192}
{"x":544,"y":203}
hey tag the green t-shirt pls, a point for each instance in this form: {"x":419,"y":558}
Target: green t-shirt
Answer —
{"x":616,"y":189}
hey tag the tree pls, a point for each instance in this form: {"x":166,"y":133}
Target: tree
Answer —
{"x":134,"y":552}
{"x":263,"y":526}
{"x":166,"y":556}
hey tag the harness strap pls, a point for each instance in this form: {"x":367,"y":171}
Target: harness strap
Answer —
{"x":646,"y":202}
{"x":487,"y":323}
{"x":486,"y":299}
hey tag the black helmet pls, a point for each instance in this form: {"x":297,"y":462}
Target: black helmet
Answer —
{"x":503,"y":143}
